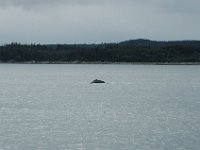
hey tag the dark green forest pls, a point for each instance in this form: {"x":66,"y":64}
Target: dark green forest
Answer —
{"x":128,"y":51}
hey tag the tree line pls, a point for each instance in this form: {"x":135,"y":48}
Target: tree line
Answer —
{"x":127,"y":51}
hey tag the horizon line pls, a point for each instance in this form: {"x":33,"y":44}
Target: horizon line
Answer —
{"x":99,"y":43}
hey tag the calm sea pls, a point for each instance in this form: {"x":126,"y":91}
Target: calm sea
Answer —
{"x":142,"y":107}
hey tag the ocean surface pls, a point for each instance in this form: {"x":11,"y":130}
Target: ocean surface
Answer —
{"x":142,"y":107}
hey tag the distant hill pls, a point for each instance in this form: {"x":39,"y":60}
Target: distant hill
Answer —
{"x":139,"y":50}
{"x":143,"y":42}
{"x":135,"y":43}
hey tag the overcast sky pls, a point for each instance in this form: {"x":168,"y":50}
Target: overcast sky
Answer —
{"x":96,"y":21}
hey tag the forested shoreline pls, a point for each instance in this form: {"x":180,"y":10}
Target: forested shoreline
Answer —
{"x":132,"y":51}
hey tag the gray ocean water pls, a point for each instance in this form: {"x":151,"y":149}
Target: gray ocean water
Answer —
{"x":143,"y":107}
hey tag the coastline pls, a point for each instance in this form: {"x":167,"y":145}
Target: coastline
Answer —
{"x":99,"y":62}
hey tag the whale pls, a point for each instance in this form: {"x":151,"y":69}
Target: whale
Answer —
{"x":97,"y":81}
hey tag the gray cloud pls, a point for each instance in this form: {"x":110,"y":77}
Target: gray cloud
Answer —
{"x":179,"y":6}
{"x":80,"y":21}
{"x":31,"y":3}
{"x":164,"y":5}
